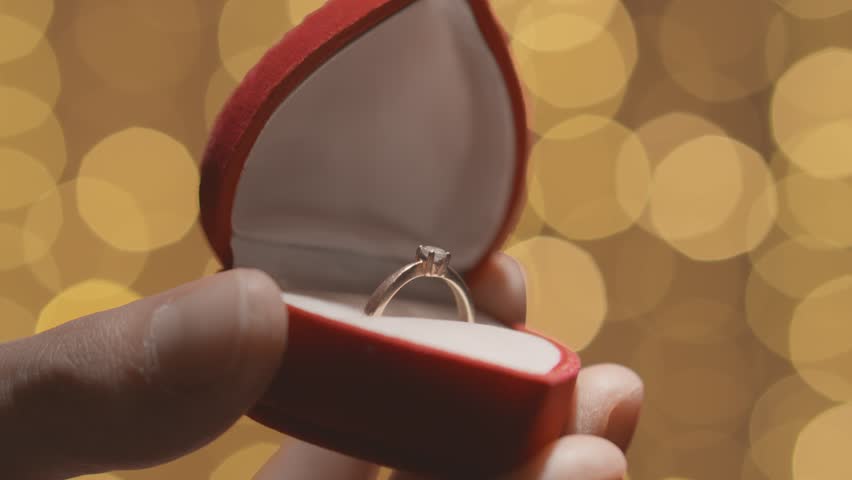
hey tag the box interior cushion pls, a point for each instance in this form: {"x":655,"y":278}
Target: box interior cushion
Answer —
{"x":430,"y":324}
{"x":404,"y":137}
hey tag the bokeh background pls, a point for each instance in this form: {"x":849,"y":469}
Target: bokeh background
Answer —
{"x":688,"y":214}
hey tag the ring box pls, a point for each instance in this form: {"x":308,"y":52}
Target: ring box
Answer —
{"x":373,"y":127}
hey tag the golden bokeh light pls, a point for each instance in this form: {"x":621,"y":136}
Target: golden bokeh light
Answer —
{"x":819,"y":207}
{"x":795,"y":267}
{"x":19,"y":38}
{"x":713,"y":198}
{"x":566,"y":298}
{"x":811,"y":10}
{"x":605,"y":54}
{"x":716,"y":67}
{"x":299,"y":9}
{"x":821,"y":338}
{"x":812,"y":113}
{"x":696,"y":188}
{"x":142,"y":202}
{"x":776,"y":420}
{"x":244,"y":461}
{"x":37,"y":13}
{"x":128,"y":53}
{"x":212,"y":267}
{"x":15,"y":321}
{"x":83,"y":299}
{"x":36,"y":73}
{"x":63,"y":250}
{"x":46,"y":143}
{"x":589,"y":178}
{"x":30,"y":111}
{"x":23,"y":181}
{"x":99,"y":476}
{"x":822,"y":450}
{"x":21,"y":246}
{"x":529,"y":225}
{"x":219,"y":89}
{"x":247,"y":28}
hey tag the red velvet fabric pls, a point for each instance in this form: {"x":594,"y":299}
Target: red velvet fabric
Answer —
{"x":389,"y":401}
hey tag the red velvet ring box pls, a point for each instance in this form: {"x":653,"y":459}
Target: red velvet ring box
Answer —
{"x":373,"y":127}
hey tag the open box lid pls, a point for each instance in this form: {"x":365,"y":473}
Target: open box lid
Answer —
{"x":374,"y":127}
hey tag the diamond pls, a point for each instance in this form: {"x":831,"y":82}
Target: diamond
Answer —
{"x":436,"y":260}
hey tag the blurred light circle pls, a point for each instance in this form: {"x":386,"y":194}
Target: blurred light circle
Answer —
{"x":37,"y":13}
{"x":247,"y":29}
{"x":46,"y":143}
{"x":811,"y":10}
{"x":664,"y":133}
{"x":18,"y":322}
{"x":128,"y":53}
{"x":64,"y":250}
{"x":639,"y":269}
{"x":820,"y":207}
{"x":689,"y":207}
{"x":768,"y":313}
{"x":712,"y":66}
{"x":245,"y":460}
{"x":30,"y":111}
{"x":83,"y":299}
{"x":37,"y":74}
{"x":149,"y":183}
{"x":19,"y":38}
{"x":566,"y":298}
{"x":696,"y":187}
{"x":578,"y":68}
{"x":822,"y":449}
{"x":299,"y":9}
{"x":17,"y":245}
{"x":219,"y":89}
{"x":113,"y":213}
{"x":212,"y":267}
{"x":529,"y":225}
{"x":812,"y":113}
{"x":560,"y":31}
{"x":796,"y":269}
{"x":24,"y":179}
{"x":589,"y":178}
{"x":99,"y":476}
{"x":776,"y":420}
{"x":821,"y":339}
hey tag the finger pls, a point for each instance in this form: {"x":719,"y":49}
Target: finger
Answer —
{"x":576,"y":457}
{"x":297,"y":460}
{"x":607,"y":402}
{"x":141,"y":384}
{"x":498,"y":289}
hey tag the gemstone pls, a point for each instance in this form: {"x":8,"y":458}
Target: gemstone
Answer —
{"x":436,"y":259}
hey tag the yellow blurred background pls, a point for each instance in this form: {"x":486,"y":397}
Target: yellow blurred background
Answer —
{"x":688,"y":206}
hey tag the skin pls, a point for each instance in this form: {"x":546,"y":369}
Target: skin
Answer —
{"x":154,"y":380}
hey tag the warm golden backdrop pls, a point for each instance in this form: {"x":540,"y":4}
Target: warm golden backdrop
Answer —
{"x":688,"y":200}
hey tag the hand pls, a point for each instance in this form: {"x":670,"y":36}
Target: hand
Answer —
{"x":149,"y":382}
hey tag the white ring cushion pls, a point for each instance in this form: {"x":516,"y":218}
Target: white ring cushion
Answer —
{"x":404,"y":137}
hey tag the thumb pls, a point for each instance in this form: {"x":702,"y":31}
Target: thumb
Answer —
{"x":141,"y":384}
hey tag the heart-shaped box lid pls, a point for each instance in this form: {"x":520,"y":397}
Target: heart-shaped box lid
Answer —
{"x":373,"y":127}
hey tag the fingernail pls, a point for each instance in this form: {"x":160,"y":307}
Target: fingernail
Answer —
{"x":194,"y":339}
{"x":622,"y":420}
